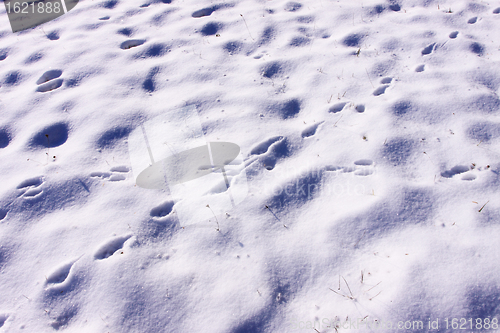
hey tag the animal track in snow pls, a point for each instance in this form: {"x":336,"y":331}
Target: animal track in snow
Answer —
{"x":270,"y":150}
{"x":107,"y":249}
{"x":31,"y":187}
{"x":380,"y":90}
{"x":360,"y":108}
{"x":364,"y":167}
{"x":453,"y":35}
{"x":120,"y":168}
{"x":386,"y":81}
{"x":117,"y":178}
{"x":3,"y":214}
{"x":455,"y":171}
{"x":428,"y":49}
{"x":204,"y":12}
{"x":116,"y":173}
{"x":49,"y":86}
{"x":99,"y":174}
{"x":49,"y":75}
{"x":310,"y":130}
{"x":496,"y":10}
{"x":209,"y":10}
{"x":364,"y":162}
{"x":337,"y":107}
{"x":460,"y":169}
{"x":420,"y":68}
{"x":162,"y":210}
{"x":5,"y":138}
{"x":472,"y":20}
{"x":60,"y":274}
{"x":263,"y":147}
{"x":128,"y":44}
{"x":3,"y":318}
{"x":49,"y":80}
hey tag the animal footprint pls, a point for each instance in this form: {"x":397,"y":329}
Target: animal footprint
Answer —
{"x":360,"y":108}
{"x":381,"y":90}
{"x":3,"y":318}
{"x":337,"y":107}
{"x":203,"y":12}
{"x":128,"y":44}
{"x":107,"y":249}
{"x":453,"y":35}
{"x":60,"y":274}
{"x":208,"y":11}
{"x":162,"y":210}
{"x":459,"y":169}
{"x":116,"y":174}
{"x":49,"y":81}
{"x":456,"y":170}
{"x":5,"y":138}
{"x":3,"y":214}
{"x":262,"y":147}
{"x":472,"y":20}
{"x":31,"y":187}
{"x":428,"y":49}
{"x":270,"y":150}
{"x":310,"y":130}
{"x":363,"y":167}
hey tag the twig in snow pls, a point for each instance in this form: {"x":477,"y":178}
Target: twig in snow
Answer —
{"x":246,"y":26}
{"x":375,"y":296}
{"x":483,"y":206}
{"x":218,"y":227}
{"x":369,"y":78}
{"x":275,"y":216}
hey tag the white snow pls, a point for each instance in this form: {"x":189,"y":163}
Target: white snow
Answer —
{"x":370,"y":137}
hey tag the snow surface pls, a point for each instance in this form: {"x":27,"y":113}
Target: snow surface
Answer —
{"x":370,"y":134}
